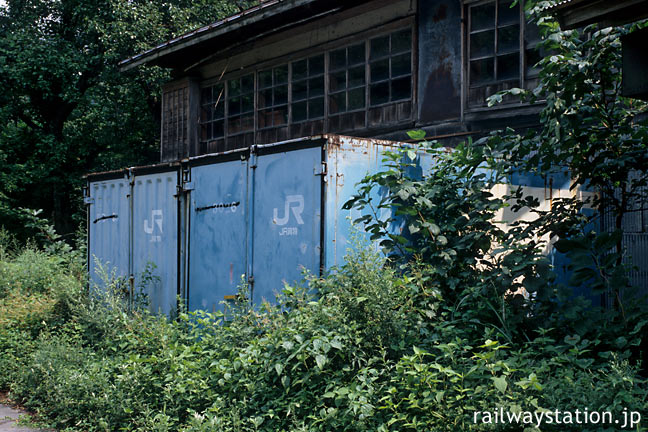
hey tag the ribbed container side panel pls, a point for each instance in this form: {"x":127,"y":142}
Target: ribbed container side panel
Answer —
{"x":155,"y":239}
{"x":218,"y":233}
{"x":287,"y":220}
{"x":108,"y":231}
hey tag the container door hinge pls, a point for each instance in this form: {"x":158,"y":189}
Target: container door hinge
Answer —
{"x":320,"y":170}
{"x":188,"y":186}
{"x":88,"y":200}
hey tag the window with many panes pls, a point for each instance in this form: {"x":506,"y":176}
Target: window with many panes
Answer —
{"x":501,"y":49}
{"x":240,"y":105}
{"x":391,"y":68}
{"x":273,"y":97}
{"x":213,"y":112}
{"x":347,"y":79}
{"x":308,"y":89}
{"x":365,"y":76}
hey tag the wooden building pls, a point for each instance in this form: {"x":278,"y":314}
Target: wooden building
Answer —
{"x":287,"y":69}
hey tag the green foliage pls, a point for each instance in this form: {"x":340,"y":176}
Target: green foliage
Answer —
{"x":307,"y":364}
{"x":65,"y":109}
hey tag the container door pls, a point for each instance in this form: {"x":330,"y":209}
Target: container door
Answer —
{"x":217,"y":247}
{"x":155,"y":240}
{"x":108,"y":231}
{"x":286,"y":220}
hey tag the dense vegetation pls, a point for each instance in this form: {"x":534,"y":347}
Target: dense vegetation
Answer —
{"x":66,"y":110}
{"x":466,"y":315}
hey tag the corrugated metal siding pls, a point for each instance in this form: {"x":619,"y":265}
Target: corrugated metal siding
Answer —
{"x":155,"y":239}
{"x":109,"y":215}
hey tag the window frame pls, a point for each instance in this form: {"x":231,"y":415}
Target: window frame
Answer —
{"x":526,"y":72}
{"x":324,"y":49}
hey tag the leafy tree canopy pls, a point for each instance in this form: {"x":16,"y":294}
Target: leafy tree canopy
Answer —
{"x":64,"y":106}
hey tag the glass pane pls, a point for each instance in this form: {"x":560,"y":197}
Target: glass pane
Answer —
{"x":401,"y":89}
{"x":316,"y":108}
{"x":316,"y":87}
{"x":247,"y":123}
{"x":533,"y":56}
{"x":247,"y":84}
{"x":379,"y":93}
{"x":401,"y":41}
{"x":218,"y":129}
{"x":299,"y":70}
{"x":281,"y":116}
{"x":532,"y":33}
{"x":379,"y":47}
{"x":316,"y":65}
{"x":205,"y":132}
{"x":281,"y":95}
{"x":380,"y":70}
{"x":508,"y":14}
{"x":234,"y":125}
{"x":337,"y":81}
{"x":508,"y":39}
{"x":482,"y":71}
{"x":299,"y":112}
{"x":248,"y":102}
{"x":234,"y":107}
{"x":356,"y":54}
{"x":206,"y":95}
{"x":401,"y":65}
{"x":281,"y":75}
{"x":482,"y":17}
{"x":265,"y":98}
{"x":508,"y":66}
{"x":356,"y":99}
{"x":234,"y":87}
{"x":338,"y":59}
{"x":265,"y":79}
{"x":218,"y":109}
{"x":265,"y":118}
{"x":300,"y":91}
{"x":337,"y":103}
{"x":482,"y":44}
{"x":357,"y":76}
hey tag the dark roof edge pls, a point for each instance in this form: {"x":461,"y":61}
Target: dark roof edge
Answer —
{"x":258,"y":13}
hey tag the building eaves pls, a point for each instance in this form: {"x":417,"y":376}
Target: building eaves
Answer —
{"x":267,"y":17}
{"x":573,"y":14}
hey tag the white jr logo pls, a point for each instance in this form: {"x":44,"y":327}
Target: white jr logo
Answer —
{"x":297,"y":209}
{"x":149,"y":227}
